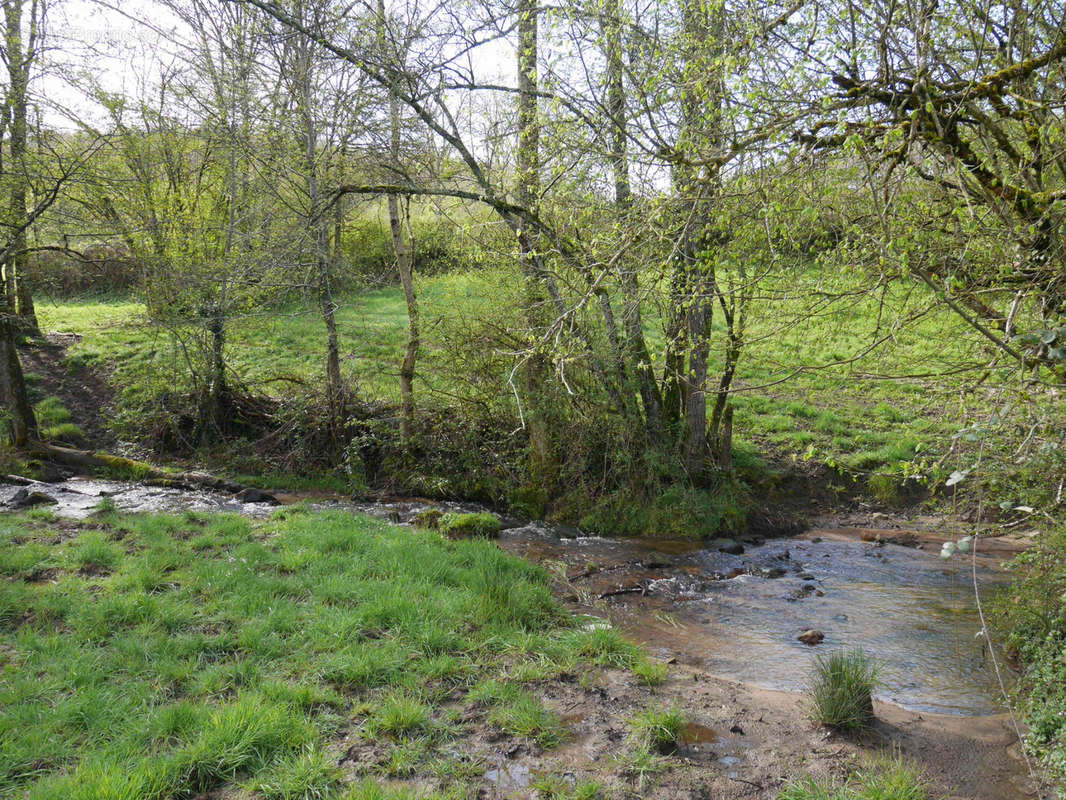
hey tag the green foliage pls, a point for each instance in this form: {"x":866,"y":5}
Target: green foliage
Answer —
{"x":842,"y":686}
{"x":1031,"y":617}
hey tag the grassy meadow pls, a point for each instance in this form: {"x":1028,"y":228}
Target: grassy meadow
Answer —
{"x":875,"y":398}
{"x":155,"y":656}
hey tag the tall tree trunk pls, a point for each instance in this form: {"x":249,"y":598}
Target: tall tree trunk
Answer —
{"x":402,"y":242}
{"x":319,"y":230}
{"x":633,"y":322}
{"x":403,"y":246}
{"x":18,"y":64}
{"x":698,"y":188}
{"x":217,"y":390}
{"x":536,"y":371}
{"x":13,"y":395}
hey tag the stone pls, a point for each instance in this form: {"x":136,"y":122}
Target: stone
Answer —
{"x":24,"y":498}
{"x":729,"y":546}
{"x":769,"y":572}
{"x":811,"y":637}
{"x":257,"y":496}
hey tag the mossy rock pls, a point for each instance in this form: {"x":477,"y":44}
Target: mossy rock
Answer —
{"x":465,"y":526}
{"x":430,"y":518}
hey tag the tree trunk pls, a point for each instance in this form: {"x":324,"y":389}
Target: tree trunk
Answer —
{"x":402,"y":245}
{"x":536,"y":371}
{"x":699,"y":189}
{"x":16,"y":402}
{"x":18,"y":64}
{"x":218,"y":391}
{"x":637,"y":347}
{"x":318,"y":224}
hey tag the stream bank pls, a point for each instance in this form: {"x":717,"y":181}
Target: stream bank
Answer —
{"x":727,"y":622}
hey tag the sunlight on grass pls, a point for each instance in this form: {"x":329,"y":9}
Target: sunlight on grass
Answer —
{"x":154,"y":656}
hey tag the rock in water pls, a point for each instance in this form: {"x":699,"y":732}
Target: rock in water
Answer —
{"x":257,"y":496}
{"x":811,"y":637}
{"x":24,"y":498}
{"x":729,"y":546}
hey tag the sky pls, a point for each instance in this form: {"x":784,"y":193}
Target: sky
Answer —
{"x":122,"y":44}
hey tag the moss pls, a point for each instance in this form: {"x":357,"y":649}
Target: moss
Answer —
{"x":462,"y":526}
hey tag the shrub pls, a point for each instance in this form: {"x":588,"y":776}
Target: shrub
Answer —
{"x":459,"y":526}
{"x":430,"y":518}
{"x":842,"y":689}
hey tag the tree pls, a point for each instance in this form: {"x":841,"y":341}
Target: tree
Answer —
{"x":969,"y":110}
{"x":20,"y":49}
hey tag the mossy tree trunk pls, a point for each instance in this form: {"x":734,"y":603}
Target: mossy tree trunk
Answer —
{"x":20,"y":417}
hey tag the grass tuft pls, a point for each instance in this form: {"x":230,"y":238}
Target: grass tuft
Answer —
{"x":884,"y":779}
{"x":842,"y":688}
{"x":658,"y":730}
{"x":399,"y":714}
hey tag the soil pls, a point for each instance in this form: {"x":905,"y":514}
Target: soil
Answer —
{"x":85,"y":393}
{"x":743,"y":742}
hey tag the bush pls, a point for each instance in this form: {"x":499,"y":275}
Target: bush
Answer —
{"x":462,"y":526}
{"x":1031,"y":617}
{"x":108,"y":268}
{"x":842,"y":689}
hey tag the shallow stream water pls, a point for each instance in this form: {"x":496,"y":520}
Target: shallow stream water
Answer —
{"x":737,"y":616}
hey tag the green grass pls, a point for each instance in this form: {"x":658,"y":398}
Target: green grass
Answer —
{"x":53,"y":420}
{"x":518,"y":711}
{"x":887,"y":778}
{"x":158,"y":656}
{"x":842,"y":685}
{"x":657,"y":729}
{"x":841,"y":414}
{"x":872,"y":387}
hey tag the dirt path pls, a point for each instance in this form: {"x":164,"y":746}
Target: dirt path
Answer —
{"x":84,"y":392}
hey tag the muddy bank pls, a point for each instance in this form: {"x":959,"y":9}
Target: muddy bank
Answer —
{"x":744,"y":742}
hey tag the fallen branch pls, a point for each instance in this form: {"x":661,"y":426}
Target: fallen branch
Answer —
{"x":139,"y":470}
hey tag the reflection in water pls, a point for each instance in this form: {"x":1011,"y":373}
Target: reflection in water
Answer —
{"x":736,"y":615}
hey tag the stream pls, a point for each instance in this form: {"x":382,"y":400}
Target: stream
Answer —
{"x":736,"y":616}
